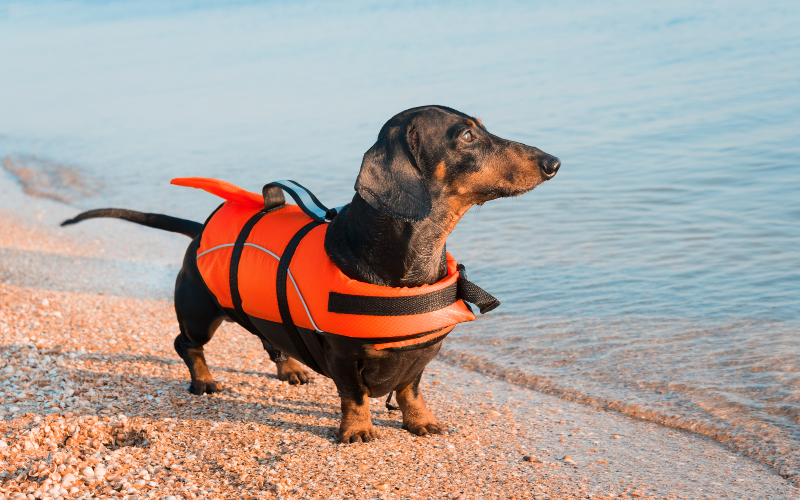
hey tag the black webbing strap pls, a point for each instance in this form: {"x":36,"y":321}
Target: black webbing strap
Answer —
{"x":472,"y":293}
{"x":389,"y":405}
{"x":212,"y":215}
{"x":304,"y":198}
{"x":283,"y":302}
{"x":414,"y":304}
{"x":233,"y":279}
{"x":392,"y":306}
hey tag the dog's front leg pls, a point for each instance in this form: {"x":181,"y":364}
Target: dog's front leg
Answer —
{"x":356,"y":425}
{"x":417,"y":418}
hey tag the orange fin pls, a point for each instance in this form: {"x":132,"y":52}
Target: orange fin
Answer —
{"x":222,"y":189}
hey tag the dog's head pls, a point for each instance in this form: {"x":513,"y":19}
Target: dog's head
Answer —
{"x":435,"y":156}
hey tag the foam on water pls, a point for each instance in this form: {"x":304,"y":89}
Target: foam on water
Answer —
{"x":657,"y":274}
{"x":736,"y":382}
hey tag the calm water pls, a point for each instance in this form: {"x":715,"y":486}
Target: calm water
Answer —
{"x":657,"y":274}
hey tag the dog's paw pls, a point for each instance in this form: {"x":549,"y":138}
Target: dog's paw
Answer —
{"x":199,"y":388}
{"x":293,"y":372}
{"x":423,"y":428}
{"x":353,"y":434}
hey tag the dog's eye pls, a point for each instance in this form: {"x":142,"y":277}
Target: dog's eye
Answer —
{"x":467,"y":136}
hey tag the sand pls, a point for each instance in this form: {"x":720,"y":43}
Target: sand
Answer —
{"x":93,"y":402}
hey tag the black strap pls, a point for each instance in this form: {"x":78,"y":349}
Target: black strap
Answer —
{"x":213,"y":214}
{"x":233,"y":278}
{"x":304,"y":198}
{"x":414,"y":304}
{"x":389,"y":405}
{"x":392,"y":306}
{"x":386,"y":340}
{"x":283,"y":302}
{"x":470,"y":292}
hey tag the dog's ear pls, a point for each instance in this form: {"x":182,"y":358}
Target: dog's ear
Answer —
{"x":390,"y":179}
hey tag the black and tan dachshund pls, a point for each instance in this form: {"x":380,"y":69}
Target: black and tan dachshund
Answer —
{"x":427,"y":168}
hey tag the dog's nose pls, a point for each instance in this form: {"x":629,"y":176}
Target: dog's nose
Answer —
{"x":549,"y":166}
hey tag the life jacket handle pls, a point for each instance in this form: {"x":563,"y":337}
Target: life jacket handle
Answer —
{"x":271,"y":195}
{"x":305,"y":199}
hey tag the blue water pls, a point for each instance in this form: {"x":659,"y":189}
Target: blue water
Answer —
{"x":666,"y":247}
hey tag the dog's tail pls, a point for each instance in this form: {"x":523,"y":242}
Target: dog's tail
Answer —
{"x":158,"y":221}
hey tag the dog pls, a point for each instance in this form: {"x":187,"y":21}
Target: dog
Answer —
{"x":428,"y":166}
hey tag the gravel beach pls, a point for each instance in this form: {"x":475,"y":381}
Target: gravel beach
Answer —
{"x":94,"y":402}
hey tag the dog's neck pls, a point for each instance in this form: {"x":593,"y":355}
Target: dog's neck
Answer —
{"x":375,"y":248}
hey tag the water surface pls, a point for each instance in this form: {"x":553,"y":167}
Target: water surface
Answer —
{"x":657,"y":274}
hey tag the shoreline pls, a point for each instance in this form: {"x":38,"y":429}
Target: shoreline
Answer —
{"x":262,"y":438}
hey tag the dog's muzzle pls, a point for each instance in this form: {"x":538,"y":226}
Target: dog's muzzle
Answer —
{"x":549,"y":167}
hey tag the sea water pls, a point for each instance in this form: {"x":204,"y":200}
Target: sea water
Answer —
{"x":658,"y":274}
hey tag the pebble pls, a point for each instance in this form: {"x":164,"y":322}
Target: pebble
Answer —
{"x":617,"y":436}
{"x":256,"y":406}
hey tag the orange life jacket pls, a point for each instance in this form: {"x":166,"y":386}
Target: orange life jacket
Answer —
{"x":318,"y":296}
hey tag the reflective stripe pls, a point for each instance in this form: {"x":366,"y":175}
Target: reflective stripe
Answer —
{"x":304,"y":199}
{"x":304,"y":303}
{"x":302,"y":300}
{"x":216,"y":248}
{"x":262,"y":248}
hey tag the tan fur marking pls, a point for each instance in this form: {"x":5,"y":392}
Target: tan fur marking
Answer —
{"x":292,"y":371}
{"x":356,"y":425}
{"x":417,"y":418}
{"x":440,"y":171}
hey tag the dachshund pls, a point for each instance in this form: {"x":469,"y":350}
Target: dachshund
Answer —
{"x":428,"y":166}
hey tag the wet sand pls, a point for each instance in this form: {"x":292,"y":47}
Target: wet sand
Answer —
{"x":93,"y":402}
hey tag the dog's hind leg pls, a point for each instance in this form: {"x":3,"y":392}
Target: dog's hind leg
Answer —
{"x":198,"y":318}
{"x":292,"y":371}
{"x":192,"y":354}
{"x":289,"y":369}
{"x":195,"y":333}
